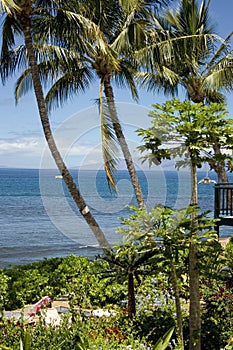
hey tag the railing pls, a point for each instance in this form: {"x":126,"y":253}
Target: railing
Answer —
{"x":223,"y":204}
{"x":223,"y":200}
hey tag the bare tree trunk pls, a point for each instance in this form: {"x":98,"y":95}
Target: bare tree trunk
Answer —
{"x":194,"y":309}
{"x":83,"y":208}
{"x":123,"y":144}
{"x":177,"y":301}
{"x":194,"y":296}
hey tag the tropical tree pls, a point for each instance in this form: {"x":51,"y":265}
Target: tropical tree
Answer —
{"x":161,"y":231}
{"x":130,"y":261}
{"x":97,"y":52}
{"x":167,"y":232}
{"x":197,"y":60}
{"x":183,"y":129}
{"x":19,"y":19}
{"x":103,"y":49}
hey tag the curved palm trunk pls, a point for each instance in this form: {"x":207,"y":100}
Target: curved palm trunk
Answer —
{"x":83,"y":208}
{"x":194,"y":306}
{"x":123,"y":144}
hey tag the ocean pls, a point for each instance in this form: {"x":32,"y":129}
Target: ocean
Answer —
{"x":38,"y":219}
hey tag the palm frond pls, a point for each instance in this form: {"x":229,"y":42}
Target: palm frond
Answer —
{"x":144,"y":256}
{"x":221,"y":78}
{"x":128,"y":5}
{"x":10,"y":27}
{"x":67,"y":86}
{"x":214,"y":96}
{"x":62,"y":55}
{"x":171,"y":48}
{"x":221,"y":52}
{"x":165,"y":80}
{"x":12,"y":61}
{"x":122,"y":41}
{"x":23,"y":84}
{"x":191,"y":19}
{"x":127,"y":77}
{"x":88,"y":28}
{"x":9,"y":6}
{"x":130,"y":32}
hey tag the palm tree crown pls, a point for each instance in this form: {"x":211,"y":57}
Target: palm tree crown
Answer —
{"x":200,"y":61}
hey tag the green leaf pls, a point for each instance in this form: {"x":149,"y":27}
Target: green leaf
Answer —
{"x":163,"y":342}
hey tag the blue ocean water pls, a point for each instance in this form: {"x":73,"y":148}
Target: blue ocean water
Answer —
{"x":38,"y":219}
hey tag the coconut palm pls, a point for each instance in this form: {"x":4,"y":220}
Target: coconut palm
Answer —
{"x":19,"y":18}
{"x":195,"y":63}
{"x":205,"y":74}
{"x":101,"y":50}
{"x":200,"y":62}
{"x":98,"y":52}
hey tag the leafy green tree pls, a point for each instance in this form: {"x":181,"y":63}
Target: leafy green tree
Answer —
{"x":160,"y":231}
{"x":189,"y":131}
{"x":20,"y":19}
{"x":80,"y":279}
{"x":186,"y":130}
{"x":168,"y":232}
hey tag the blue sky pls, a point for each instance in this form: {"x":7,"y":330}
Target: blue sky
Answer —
{"x":76,"y":124}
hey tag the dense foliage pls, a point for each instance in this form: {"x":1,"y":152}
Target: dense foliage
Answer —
{"x":86,"y":283}
{"x":21,"y":285}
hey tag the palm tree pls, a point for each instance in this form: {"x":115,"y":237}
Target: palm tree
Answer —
{"x":98,"y":51}
{"x":129,"y":261}
{"x":195,"y":63}
{"x":20,"y":19}
{"x":103,"y":49}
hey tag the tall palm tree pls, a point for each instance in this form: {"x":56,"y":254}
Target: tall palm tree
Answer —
{"x":200,"y":61}
{"x":19,"y":19}
{"x":109,"y":32}
{"x":101,"y":50}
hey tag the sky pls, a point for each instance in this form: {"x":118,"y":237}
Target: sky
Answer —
{"x":76,"y":125}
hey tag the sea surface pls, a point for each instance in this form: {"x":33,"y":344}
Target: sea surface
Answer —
{"x":38,"y":219}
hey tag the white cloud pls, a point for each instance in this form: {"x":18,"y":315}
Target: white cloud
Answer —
{"x":15,"y":145}
{"x":81,"y":150}
{"x":23,"y":152}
